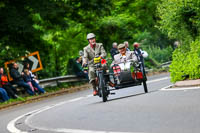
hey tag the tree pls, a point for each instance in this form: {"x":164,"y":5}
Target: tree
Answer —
{"x":132,"y":21}
{"x":58,"y":28}
{"x":180,"y":19}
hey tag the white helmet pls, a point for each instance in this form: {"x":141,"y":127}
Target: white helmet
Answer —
{"x":90,"y":36}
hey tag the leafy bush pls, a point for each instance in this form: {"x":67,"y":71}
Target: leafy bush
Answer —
{"x":186,"y":62}
{"x":161,"y":55}
{"x":157,"y":56}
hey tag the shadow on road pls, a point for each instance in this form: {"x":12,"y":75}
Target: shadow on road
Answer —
{"x":109,"y":100}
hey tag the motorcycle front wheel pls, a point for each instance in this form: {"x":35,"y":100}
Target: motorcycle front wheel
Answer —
{"x":102,"y":87}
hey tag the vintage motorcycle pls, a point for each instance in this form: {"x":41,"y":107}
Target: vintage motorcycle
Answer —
{"x":122,"y":75}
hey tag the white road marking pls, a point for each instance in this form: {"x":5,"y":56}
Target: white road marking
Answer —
{"x":156,"y":80}
{"x":76,"y":99}
{"x":167,"y":88}
{"x":11,"y":125}
{"x":89,"y":95}
{"x":12,"y":129}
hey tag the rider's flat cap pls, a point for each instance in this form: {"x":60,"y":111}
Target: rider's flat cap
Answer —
{"x":120,"y":46}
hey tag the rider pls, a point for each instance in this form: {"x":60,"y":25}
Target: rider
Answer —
{"x":91,"y":51}
{"x":124,"y":55}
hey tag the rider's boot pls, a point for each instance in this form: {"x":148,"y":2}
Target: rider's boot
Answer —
{"x":95,"y":92}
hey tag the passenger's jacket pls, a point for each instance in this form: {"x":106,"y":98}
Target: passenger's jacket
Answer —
{"x":130,"y":55}
{"x":90,"y":53}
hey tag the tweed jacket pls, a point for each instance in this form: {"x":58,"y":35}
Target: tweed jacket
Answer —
{"x":90,"y":53}
{"x":130,"y":55}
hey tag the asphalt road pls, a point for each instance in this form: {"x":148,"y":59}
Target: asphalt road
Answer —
{"x":129,"y":110}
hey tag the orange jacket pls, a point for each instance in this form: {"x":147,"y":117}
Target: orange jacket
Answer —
{"x":4,"y":80}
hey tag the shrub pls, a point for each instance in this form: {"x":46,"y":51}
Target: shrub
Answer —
{"x":186,"y":62}
{"x":161,"y":55}
{"x":157,"y":56}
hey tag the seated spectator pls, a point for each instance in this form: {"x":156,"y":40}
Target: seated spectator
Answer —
{"x":27,"y":79}
{"x":18,"y":79}
{"x":81,"y":55}
{"x":34,"y":81}
{"x":79,"y":70}
{"x":114,"y":50}
{"x":4,"y":83}
{"x":3,"y":94}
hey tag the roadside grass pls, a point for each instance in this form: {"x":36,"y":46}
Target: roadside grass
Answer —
{"x":11,"y":100}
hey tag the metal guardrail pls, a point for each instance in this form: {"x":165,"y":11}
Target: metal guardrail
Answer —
{"x":61,"y":79}
{"x":166,"y":64}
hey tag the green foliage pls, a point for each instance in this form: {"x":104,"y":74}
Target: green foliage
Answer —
{"x":180,"y":19}
{"x":131,"y":21}
{"x":160,"y":55}
{"x":64,"y":45}
{"x":186,"y":62}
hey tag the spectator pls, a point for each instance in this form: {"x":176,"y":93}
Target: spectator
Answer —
{"x":34,"y":81}
{"x":127,"y":46}
{"x":81,"y":55}
{"x":176,"y":44}
{"x":18,"y":79}
{"x":3,"y":94}
{"x":138,"y":51}
{"x":27,"y":78}
{"x":79,"y":70}
{"x":12,"y":92}
{"x":114,"y":50}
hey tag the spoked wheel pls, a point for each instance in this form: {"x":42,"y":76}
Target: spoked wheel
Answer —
{"x":102,"y":87}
